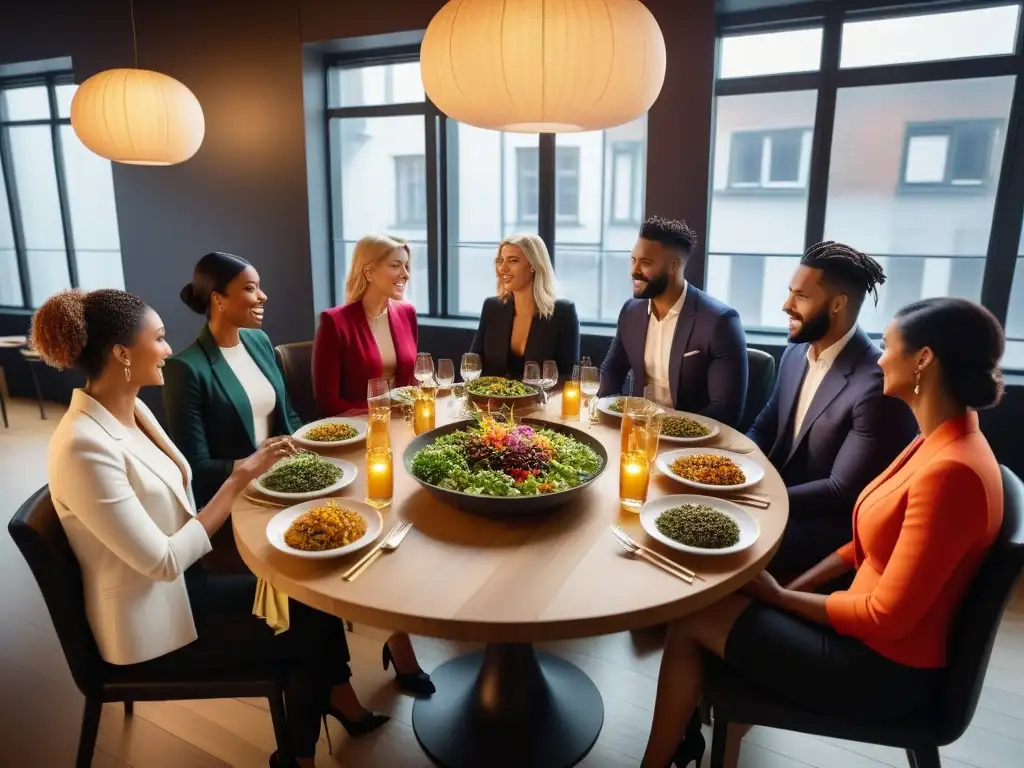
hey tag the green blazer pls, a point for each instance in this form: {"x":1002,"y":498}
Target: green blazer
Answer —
{"x":209,"y":417}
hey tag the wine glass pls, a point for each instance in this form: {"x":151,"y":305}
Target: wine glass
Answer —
{"x":548,"y":377}
{"x":445,"y":375}
{"x":531,"y":374}
{"x":471,"y":368}
{"x":590,"y":383}
{"x":424,"y":370}
{"x":377,"y":391}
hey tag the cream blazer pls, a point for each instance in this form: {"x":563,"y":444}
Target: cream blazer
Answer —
{"x":134,"y":531}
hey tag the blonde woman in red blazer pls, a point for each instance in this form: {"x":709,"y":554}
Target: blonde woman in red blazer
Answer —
{"x":371,"y":336}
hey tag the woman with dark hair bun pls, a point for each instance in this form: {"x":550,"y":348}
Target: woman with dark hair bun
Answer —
{"x":123,"y":493}
{"x":921,"y":530}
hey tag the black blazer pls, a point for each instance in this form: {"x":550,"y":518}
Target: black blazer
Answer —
{"x":553,"y":338}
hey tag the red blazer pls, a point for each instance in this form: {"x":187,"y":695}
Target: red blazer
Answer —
{"x":920,"y":531}
{"x":345,"y":355}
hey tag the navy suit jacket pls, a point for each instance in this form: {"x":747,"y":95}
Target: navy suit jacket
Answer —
{"x":708,"y":364}
{"x":850,"y":434}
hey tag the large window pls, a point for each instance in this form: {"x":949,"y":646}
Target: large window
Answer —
{"x":58,"y":224}
{"x":399,"y":166}
{"x":882,"y":131}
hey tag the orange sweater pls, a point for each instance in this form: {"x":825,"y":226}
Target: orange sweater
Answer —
{"x":921,"y":529}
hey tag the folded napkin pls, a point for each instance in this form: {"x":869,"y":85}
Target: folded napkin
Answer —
{"x":271,"y":605}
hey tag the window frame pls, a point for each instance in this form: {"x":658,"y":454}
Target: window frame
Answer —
{"x":951,"y":129}
{"x":50,"y":81}
{"x":634,"y":150}
{"x":767,"y":139}
{"x":404,"y":164}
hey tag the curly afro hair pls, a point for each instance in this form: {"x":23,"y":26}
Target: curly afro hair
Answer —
{"x":77,"y":329}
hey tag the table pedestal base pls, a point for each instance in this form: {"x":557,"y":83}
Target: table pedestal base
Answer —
{"x":509,"y":706}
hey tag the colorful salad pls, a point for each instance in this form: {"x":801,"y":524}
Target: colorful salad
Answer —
{"x":496,"y":386}
{"x":493,"y":458}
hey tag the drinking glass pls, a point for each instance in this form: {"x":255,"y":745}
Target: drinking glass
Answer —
{"x":571,"y":396}
{"x":378,"y":401}
{"x":548,"y":377}
{"x":641,"y":426}
{"x":531,"y":374}
{"x":445,"y":373}
{"x":424,"y":370}
{"x":470,"y":369}
{"x":590,"y":383}
{"x":377,"y":388}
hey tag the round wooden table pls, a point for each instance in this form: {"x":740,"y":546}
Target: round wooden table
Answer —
{"x":510,"y":583}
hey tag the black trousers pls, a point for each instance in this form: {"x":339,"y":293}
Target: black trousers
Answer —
{"x":312,"y":653}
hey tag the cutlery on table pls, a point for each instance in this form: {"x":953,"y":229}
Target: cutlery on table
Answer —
{"x":749,"y":500}
{"x":643,"y":553}
{"x":625,"y":537}
{"x":736,"y":448}
{"x":389,"y":544}
{"x":264,"y":502}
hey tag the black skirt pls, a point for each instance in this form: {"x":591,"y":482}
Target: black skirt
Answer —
{"x":812,"y":666}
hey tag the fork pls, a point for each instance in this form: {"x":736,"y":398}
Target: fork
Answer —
{"x":625,"y":537}
{"x":638,"y":551}
{"x":390,"y":544}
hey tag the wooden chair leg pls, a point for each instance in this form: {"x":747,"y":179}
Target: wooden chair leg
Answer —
{"x":719,"y":740}
{"x":129,"y":708}
{"x":3,"y":407}
{"x":90,"y":728}
{"x":39,"y":391}
{"x":279,"y":719}
{"x":926,"y":757}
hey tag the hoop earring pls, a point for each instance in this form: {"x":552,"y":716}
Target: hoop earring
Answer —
{"x":917,"y":382}
{"x":127,"y":373}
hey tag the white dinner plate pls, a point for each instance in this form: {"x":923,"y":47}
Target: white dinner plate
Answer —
{"x":358,"y":426}
{"x":280,"y":522}
{"x":749,"y":529}
{"x":711,"y":424}
{"x":349,"y":473}
{"x":753,"y":471}
{"x":603,"y":404}
{"x":403,"y":395}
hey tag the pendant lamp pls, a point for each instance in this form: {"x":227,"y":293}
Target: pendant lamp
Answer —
{"x":138,"y":116}
{"x":543,"y":66}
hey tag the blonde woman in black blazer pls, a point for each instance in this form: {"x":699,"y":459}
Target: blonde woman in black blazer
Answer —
{"x":526,"y":321}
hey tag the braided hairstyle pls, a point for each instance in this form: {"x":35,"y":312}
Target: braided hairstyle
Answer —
{"x":77,"y":329}
{"x":672,"y":233}
{"x":854,"y":273}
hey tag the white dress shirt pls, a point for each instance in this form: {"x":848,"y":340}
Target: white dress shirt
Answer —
{"x":380,"y":327}
{"x":658,"y":351}
{"x":817,"y":367}
{"x":259,"y":390}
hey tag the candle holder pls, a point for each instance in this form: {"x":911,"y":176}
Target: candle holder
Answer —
{"x":641,"y":421}
{"x":380,"y":479}
{"x":378,"y":431}
{"x":424,"y":411}
{"x":571,"y":397}
{"x":634,"y":479}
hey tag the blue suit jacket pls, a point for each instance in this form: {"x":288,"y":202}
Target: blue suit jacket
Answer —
{"x":850,"y":434}
{"x":708,"y":364}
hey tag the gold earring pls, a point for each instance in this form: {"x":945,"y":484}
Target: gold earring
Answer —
{"x":127,"y":372}
{"x":917,"y":382}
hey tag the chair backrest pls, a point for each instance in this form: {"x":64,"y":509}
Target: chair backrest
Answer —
{"x":37,"y":531}
{"x":296,"y":361}
{"x":980,"y":614}
{"x":760,"y":377}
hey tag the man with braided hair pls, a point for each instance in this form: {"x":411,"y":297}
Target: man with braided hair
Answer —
{"x":827,"y":428}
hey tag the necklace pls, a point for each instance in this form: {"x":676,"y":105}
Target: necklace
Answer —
{"x":377,"y":316}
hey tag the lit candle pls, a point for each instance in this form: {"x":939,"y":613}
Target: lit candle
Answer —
{"x":634,"y":477}
{"x":423,"y":414}
{"x":571,"y":400}
{"x":380,"y":484}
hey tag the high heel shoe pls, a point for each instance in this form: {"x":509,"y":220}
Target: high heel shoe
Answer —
{"x":371,"y":721}
{"x":417,"y":683}
{"x":691,"y":748}
{"x":276,"y":762}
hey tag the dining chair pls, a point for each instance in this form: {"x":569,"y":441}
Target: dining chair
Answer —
{"x":296,"y":362}
{"x":33,"y":360}
{"x":944,"y":720}
{"x":760,"y":378}
{"x":38,"y":533}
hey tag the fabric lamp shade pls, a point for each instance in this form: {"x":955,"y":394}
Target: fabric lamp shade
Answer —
{"x":138,"y":116}
{"x":543,"y":66}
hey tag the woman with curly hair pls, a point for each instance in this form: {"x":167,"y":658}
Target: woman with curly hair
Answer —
{"x":123,"y":493}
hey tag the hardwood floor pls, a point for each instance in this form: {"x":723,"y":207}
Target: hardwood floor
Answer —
{"x":40,"y":708}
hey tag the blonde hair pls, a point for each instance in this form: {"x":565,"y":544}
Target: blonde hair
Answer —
{"x":543,"y":273}
{"x":368,"y":253}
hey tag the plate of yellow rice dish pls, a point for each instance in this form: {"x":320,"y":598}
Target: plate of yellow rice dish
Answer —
{"x":324,"y":528}
{"x":334,"y":432}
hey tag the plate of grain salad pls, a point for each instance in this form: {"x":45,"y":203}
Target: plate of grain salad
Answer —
{"x":324,"y":528}
{"x":305,"y":476}
{"x":679,"y":427}
{"x":710,"y":469}
{"x":334,"y":432}
{"x":699,"y":525}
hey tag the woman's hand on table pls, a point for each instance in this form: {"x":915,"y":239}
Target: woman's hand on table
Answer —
{"x":267,"y":455}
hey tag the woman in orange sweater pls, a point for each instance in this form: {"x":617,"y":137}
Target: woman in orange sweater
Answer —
{"x":920,"y":530}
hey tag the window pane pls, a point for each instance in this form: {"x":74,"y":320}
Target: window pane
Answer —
{"x":1013,"y":357}
{"x":10,"y":279}
{"x":366,"y":194}
{"x":39,"y":206}
{"x":929,"y":37}
{"x":373,"y":86}
{"x":65,"y":93}
{"x":770,"y":53}
{"x":492,"y":193}
{"x":929,"y":233}
{"x":26,"y":103}
{"x":90,"y":190}
{"x":758,"y":210}
{"x":592,"y":248}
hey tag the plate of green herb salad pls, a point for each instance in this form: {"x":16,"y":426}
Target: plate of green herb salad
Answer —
{"x":305,"y":476}
{"x":700,"y":525}
{"x":501,"y":465}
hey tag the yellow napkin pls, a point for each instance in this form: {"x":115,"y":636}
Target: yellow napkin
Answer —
{"x":272,"y":606}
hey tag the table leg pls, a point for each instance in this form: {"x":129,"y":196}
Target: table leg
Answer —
{"x":509,"y":706}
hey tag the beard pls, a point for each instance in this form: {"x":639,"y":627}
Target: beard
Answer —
{"x":811,"y":329}
{"x":653,"y":287}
